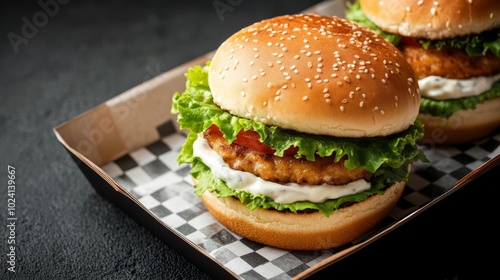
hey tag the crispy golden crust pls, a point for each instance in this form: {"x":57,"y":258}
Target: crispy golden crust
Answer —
{"x":285,"y":169}
{"x":449,"y":63}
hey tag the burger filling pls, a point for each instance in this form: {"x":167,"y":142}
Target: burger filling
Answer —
{"x":288,"y":192}
{"x":272,"y":168}
{"x":454,"y":74}
{"x":285,"y":169}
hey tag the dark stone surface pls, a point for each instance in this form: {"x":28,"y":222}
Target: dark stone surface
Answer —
{"x":90,"y":51}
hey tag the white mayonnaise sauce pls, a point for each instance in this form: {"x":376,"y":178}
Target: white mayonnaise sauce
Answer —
{"x":436,"y":87}
{"x":287,"y":193}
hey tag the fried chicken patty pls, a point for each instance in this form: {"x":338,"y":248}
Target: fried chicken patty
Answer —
{"x":285,"y":169}
{"x":448,"y":62}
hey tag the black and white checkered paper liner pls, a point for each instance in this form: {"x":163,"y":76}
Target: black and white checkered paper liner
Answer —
{"x":152,"y":175}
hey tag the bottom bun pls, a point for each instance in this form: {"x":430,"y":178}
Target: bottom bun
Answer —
{"x":303,"y":231}
{"x":463,"y":126}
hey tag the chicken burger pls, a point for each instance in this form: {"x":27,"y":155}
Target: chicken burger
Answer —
{"x":302,"y":131}
{"x":454,"y":49}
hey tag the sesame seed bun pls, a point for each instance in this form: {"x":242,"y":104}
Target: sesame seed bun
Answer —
{"x":433,"y":19}
{"x":303,"y":231}
{"x":346,"y":79}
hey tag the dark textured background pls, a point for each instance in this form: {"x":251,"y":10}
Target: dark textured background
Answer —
{"x":91,"y":51}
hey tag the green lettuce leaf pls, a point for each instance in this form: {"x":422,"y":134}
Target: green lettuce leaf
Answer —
{"x":474,"y":45}
{"x":386,"y":157}
{"x":355,"y":13}
{"x":446,"y":108}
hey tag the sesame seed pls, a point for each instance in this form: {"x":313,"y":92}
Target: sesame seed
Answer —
{"x":361,"y":104}
{"x":328,"y":101}
{"x":342,"y":108}
{"x":304,"y":98}
{"x":245,"y":80}
{"x":347,"y":79}
{"x":243,"y":93}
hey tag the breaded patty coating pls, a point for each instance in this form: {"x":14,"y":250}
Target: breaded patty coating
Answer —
{"x":285,"y":169}
{"x":448,"y":62}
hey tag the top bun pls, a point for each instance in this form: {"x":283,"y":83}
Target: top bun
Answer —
{"x":315,"y":74}
{"x":433,"y":19}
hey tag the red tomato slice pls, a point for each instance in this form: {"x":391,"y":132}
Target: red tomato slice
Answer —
{"x":408,"y":41}
{"x":250,"y":139}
